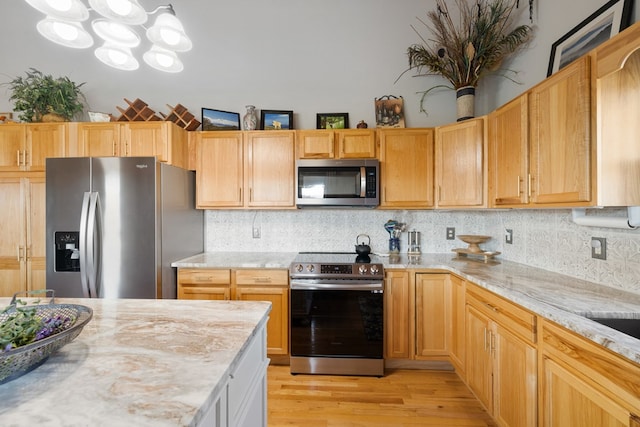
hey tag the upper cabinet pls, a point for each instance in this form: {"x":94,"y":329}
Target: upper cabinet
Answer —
{"x":461,"y":158}
{"x":238,"y":169}
{"x":560,"y":137}
{"x":509,"y":153}
{"x":406,"y":168}
{"x":336,"y":144}
{"x":24,"y":147}
{"x":616,"y":69}
{"x":164,"y":140}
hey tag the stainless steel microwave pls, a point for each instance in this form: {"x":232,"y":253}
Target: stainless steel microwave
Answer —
{"x":336,"y":183}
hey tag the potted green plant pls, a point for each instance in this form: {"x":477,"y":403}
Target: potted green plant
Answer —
{"x":41,"y":97}
{"x":466,"y":52}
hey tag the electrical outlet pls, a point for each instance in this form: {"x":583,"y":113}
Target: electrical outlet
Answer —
{"x":256,"y":232}
{"x":599,"y":248}
{"x":508,"y":236}
{"x":451,"y":233}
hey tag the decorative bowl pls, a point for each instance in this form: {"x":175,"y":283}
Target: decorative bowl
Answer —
{"x":473,"y":241}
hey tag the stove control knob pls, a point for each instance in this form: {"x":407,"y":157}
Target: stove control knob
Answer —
{"x":310,"y":268}
{"x":374,"y":269}
{"x":299,"y":268}
{"x":362,"y":269}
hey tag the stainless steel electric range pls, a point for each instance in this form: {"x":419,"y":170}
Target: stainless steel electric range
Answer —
{"x":336,"y":314}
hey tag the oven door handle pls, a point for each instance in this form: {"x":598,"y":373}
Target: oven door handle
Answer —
{"x":359,"y":286}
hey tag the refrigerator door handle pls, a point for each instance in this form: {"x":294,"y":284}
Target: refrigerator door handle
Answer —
{"x":94,"y":245}
{"x":84,"y":213}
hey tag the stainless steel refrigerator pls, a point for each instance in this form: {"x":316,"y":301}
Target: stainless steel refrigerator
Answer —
{"x":115,"y":224}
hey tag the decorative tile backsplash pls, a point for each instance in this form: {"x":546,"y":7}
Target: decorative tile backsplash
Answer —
{"x":546,"y":239}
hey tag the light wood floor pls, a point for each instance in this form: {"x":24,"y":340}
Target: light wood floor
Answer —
{"x":400,"y":398}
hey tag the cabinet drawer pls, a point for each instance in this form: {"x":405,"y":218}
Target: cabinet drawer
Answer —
{"x":204,"y":276}
{"x":262,"y":277}
{"x":508,"y":315}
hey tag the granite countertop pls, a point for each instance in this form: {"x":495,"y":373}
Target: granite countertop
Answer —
{"x":563,"y":299}
{"x":136,"y":363}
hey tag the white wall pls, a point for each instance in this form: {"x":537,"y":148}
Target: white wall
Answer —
{"x":310,"y":57}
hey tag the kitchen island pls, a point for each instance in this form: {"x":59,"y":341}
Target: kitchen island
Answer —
{"x":150,"y":363}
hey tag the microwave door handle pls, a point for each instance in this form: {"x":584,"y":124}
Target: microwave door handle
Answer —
{"x":363,"y":182}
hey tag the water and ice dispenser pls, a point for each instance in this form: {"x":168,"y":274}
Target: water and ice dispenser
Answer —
{"x":67,"y":253}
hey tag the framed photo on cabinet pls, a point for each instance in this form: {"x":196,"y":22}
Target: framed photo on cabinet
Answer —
{"x":220,"y":120}
{"x":389,"y":111}
{"x":276,"y":119}
{"x":332,"y":121}
{"x":599,"y":27}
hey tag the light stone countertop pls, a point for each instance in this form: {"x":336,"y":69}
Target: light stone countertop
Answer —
{"x":562,"y":299}
{"x":136,"y":363}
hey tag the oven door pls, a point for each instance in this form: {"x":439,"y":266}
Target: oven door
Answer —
{"x":337,"y":320}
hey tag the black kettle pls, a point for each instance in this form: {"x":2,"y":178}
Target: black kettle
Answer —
{"x":362,"y":248}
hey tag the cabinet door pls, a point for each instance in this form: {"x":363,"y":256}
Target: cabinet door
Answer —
{"x":560,"y":114}
{"x":514,"y":374}
{"x":278,"y":324}
{"x":36,"y":211}
{"x":316,"y":144}
{"x":13,"y":236}
{"x":460,"y":164}
{"x":397,"y":314}
{"x":509,"y":153}
{"x":12,"y":141}
{"x":356,"y":144}
{"x":569,"y":401}
{"x":479,"y":361}
{"x":433,"y":315}
{"x":45,"y":140}
{"x":219,"y":169}
{"x":406,"y":162}
{"x":99,"y":139}
{"x":458,"y":328}
{"x":145,"y":139}
{"x":270,"y":169}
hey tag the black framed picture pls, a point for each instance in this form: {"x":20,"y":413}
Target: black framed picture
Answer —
{"x":599,"y":27}
{"x":220,"y":120}
{"x":332,"y":121}
{"x":276,"y":119}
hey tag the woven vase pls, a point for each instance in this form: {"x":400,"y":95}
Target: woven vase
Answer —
{"x":465,"y":100}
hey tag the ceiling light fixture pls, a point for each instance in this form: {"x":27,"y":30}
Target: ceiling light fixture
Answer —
{"x":63,"y":25}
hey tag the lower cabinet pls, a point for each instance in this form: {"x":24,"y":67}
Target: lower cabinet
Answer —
{"x":397,"y":315}
{"x":246,"y":284}
{"x":501,"y":364}
{"x":242,"y":401}
{"x":433,"y":316}
{"x":583,"y":384}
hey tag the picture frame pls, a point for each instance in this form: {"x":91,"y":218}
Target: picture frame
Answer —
{"x":332,"y":121}
{"x":220,"y":120}
{"x":599,"y":27}
{"x":276,"y":119}
{"x":389,"y":111}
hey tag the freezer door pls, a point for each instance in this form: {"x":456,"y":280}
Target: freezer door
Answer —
{"x":128,"y":196}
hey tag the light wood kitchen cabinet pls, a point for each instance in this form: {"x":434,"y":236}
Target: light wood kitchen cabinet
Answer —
{"x":616,"y":69}
{"x":406,"y":168}
{"x":244,"y":284}
{"x":22,"y":247}
{"x":397,"y":316}
{"x":336,"y":144}
{"x":502,"y":357}
{"x":25,"y":147}
{"x":433,"y":316}
{"x":560,"y":137}
{"x":461,"y":163}
{"x":457,"y":350}
{"x":245,"y":169}
{"x":583,"y":384}
{"x":272,"y":286}
{"x":164,"y":140}
{"x":509,"y":153}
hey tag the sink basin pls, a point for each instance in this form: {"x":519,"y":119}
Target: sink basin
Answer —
{"x":629,"y":327}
